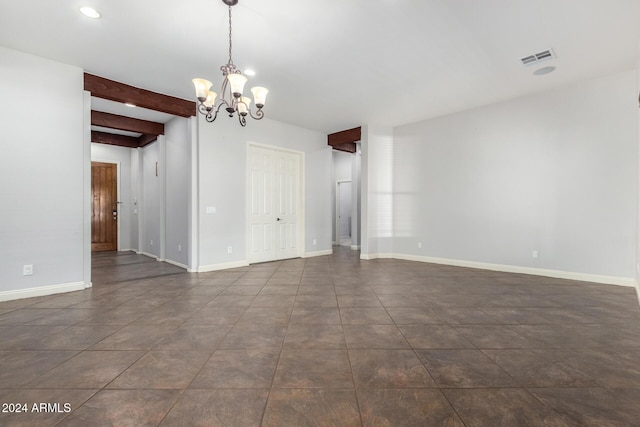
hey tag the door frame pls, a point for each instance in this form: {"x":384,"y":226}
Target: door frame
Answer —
{"x":119,"y":190}
{"x":301,"y":199}
{"x":338,"y":182}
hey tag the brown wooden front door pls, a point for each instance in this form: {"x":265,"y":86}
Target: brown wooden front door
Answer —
{"x":104,"y":207}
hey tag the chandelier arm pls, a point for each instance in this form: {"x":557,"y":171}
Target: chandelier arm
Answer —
{"x":208,"y":112}
{"x":203,"y":110}
{"x":258,"y":115}
{"x":227,"y":98}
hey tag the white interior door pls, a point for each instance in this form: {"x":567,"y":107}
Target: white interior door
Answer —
{"x":274,"y":204}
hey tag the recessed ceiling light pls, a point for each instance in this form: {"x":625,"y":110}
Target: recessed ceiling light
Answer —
{"x":249,"y":72}
{"x":90,"y":12}
{"x":544,"y":70}
{"x":129,"y":104}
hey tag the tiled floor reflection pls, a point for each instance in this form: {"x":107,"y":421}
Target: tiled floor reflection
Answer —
{"x":327,"y":341}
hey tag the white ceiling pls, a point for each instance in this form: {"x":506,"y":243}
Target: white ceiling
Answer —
{"x":335,"y":64}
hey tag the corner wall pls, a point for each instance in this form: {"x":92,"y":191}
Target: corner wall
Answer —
{"x":377,"y":198}
{"x":554,"y":173}
{"x":222,"y":170}
{"x":43,"y":166}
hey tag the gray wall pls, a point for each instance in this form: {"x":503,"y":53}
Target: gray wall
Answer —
{"x":377,"y":191}
{"x":150,"y":200}
{"x":554,"y":172}
{"x":222,"y":166}
{"x":342,"y":171}
{"x":178,"y":176}
{"x":44,"y":163}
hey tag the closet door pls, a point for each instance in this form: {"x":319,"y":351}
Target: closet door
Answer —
{"x":274,"y":193}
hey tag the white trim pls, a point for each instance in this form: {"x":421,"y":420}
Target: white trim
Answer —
{"x":177,"y":264}
{"x":377,"y":256}
{"x":149,"y":255}
{"x":317,"y":253}
{"x":222,"y":266}
{"x":585,"y":277}
{"x":44,"y":290}
{"x":355,"y":247}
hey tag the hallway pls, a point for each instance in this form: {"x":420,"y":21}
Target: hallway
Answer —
{"x":331,"y":341}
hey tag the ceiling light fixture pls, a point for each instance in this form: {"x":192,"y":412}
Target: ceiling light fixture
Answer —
{"x":90,"y":12}
{"x":231,"y":92}
{"x":544,"y":70}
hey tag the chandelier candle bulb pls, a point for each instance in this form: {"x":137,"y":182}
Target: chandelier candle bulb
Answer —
{"x":210,"y":101}
{"x":202,"y":88}
{"x":243,"y":105}
{"x":237,"y":82}
{"x":259,"y":95}
{"x":230,"y":96}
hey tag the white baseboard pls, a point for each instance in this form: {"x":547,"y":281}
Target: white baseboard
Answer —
{"x":317,"y":253}
{"x":177,"y":264}
{"x":377,"y":256}
{"x":222,"y":266}
{"x":355,"y":247}
{"x":43,"y":290}
{"x":149,"y":255}
{"x":558,"y":274}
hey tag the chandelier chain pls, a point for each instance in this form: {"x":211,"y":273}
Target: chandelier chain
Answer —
{"x":230,"y":98}
{"x":230,"y":44}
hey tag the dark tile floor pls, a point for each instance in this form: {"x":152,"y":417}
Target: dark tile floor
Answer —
{"x":327,"y":341}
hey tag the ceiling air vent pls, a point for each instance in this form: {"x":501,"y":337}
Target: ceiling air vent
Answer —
{"x":538,"y":57}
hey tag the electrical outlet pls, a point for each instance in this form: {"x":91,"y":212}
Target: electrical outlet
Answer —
{"x":27,"y":270}
{"x":229,"y":249}
{"x":535,"y":254}
{"x":419,"y":245}
{"x":151,"y":242}
{"x":315,"y":242}
{"x":179,"y":248}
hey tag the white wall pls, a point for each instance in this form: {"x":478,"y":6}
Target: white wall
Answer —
{"x":135,"y":194}
{"x":222,"y":167}
{"x":178,"y":175}
{"x":342,"y":166}
{"x":377,"y":191}
{"x":122,"y":157}
{"x":346,"y":167}
{"x":150,"y":200}
{"x":356,"y":198}
{"x":554,"y":172}
{"x":43,"y":166}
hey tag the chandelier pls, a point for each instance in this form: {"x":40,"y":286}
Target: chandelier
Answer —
{"x":231,"y":92}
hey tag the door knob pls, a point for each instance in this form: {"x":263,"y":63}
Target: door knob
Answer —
{"x":278,"y":219}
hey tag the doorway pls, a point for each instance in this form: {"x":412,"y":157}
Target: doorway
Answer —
{"x":104,"y":206}
{"x":274,"y":204}
{"x":343,"y":213}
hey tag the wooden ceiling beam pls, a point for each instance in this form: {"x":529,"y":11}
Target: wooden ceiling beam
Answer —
{"x":345,"y":140}
{"x":349,"y":147}
{"x":115,"y":121}
{"x":120,"y":92}
{"x":113,"y":139}
{"x":145,"y":139}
